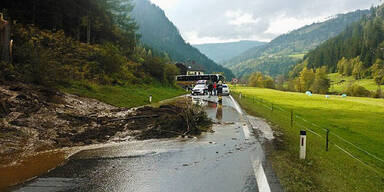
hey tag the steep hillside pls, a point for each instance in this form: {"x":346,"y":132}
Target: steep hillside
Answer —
{"x":220,"y":52}
{"x":364,"y":39}
{"x":162,"y":35}
{"x":289,"y":48}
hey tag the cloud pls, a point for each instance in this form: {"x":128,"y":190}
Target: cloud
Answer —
{"x":202,"y":21}
{"x":284,"y":24}
{"x":239,"y":18}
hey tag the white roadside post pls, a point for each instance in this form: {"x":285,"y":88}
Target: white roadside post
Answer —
{"x":303,"y":143}
{"x":150,"y":99}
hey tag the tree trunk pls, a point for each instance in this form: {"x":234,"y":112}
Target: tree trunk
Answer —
{"x":34,"y":12}
{"x":5,"y":37}
{"x":89,"y":30}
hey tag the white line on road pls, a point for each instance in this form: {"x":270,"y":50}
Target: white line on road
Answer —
{"x":261,"y":178}
{"x":246,"y":132}
{"x":237,"y":107}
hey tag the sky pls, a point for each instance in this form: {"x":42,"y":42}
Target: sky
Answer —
{"x":218,"y":21}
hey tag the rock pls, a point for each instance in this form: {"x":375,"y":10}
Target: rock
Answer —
{"x":4,"y":108}
{"x":21,"y":97}
{"x":16,"y":88}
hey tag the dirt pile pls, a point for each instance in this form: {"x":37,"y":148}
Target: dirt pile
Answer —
{"x":35,"y":118}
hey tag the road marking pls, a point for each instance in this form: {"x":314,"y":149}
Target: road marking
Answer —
{"x":246,"y":132}
{"x":261,"y":178}
{"x":237,"y":107}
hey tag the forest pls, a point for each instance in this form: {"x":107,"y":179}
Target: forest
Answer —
{"x":357,"y":52}
{"x":57,"y":42}
{"x":286,"y":50}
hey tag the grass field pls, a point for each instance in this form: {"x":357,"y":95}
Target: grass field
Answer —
{"x":125,"y":96}
{"x":369,"y":84}
{"x":356,"y":128}
{"x":298,"y":56}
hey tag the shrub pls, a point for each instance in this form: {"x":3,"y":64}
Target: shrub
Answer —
{"x":357,"y":91}
{"x":377,"y":94}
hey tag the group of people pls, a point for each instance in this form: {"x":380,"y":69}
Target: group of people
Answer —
{"x":215,"y":88}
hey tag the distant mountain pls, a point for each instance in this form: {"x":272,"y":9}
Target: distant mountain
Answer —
{"x":220,"y":52}
{"x":278,"y":56}
{"x":162,"y":35}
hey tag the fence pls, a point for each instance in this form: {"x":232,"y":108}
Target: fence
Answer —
{"x":297,"y":121}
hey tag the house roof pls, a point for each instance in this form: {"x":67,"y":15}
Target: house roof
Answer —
{"x":190,"y":66}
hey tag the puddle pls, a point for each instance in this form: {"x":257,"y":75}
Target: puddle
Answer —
{"x":30,"y":167}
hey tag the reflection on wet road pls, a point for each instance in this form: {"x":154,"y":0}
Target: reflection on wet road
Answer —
{"x":220,"y":161}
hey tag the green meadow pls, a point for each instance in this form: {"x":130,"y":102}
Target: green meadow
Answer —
{"x":354,"y":161}
{"x":124,"y":96}
{"x":337,"y":87}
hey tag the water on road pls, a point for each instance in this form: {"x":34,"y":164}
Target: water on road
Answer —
{"x":229,"y":159}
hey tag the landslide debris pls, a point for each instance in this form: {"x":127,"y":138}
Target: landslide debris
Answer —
{"x":34,"y":118}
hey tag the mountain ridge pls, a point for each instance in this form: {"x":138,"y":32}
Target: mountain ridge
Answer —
{"x":220,"y":52}
{"x":159,"y":33}
{"x":290,"y":47}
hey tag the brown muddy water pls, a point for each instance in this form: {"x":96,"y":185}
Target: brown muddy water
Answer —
{"x":31,"y":166}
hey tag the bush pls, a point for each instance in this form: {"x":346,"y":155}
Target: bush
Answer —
{"x":6,"y":71}
{"x":357,"y":91}
{"x":377,"y":94}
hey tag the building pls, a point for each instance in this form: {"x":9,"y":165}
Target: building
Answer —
{"x":194,"y":71}
{"x":190,"y":70}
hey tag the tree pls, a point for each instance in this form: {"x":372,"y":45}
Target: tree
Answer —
{"x":358,"y":68}
{"x":171,"y":71}
{"x":322,"y":83}
{"x":280,"y":79}
{"x":254,"y":79}
{"x":257,"y":79}
{"x":378,"y":72}
{"x":307,"y":77}
{"x":341,"y":65}
{"x":269,"y":82}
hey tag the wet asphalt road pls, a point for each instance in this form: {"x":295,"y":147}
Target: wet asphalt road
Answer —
{"x":230,"y":159}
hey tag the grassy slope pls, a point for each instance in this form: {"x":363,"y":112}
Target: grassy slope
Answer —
{"x":369,"y":84}
{"x":125,"y":96}
{"x":359,"y":120}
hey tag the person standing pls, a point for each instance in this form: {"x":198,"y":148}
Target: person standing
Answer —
{"x":219,"y":88}
{"x":214,"y":88}
{"x":210,"y":88}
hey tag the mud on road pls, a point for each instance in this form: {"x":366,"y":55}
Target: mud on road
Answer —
{"x":34,"y":119}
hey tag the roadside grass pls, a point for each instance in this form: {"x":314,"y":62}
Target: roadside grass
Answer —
{"x":124,"y":96}
{"x":357,"y":120}
{"x":368,"y":84}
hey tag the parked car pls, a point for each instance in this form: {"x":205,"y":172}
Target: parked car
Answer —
{"x":204,"y":82}
{"x":200,"y":89}
{"x":225,"y":89}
